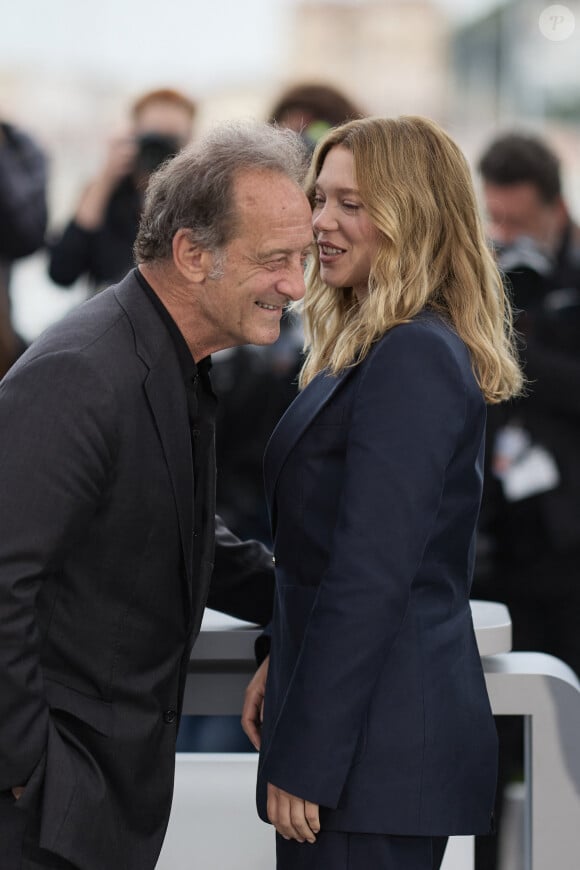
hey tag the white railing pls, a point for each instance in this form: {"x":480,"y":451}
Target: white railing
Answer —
{"x":213,"y":821}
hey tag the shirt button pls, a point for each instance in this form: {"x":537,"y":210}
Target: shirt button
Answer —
{"x":274,"y":561}
{"x":169,"y":717}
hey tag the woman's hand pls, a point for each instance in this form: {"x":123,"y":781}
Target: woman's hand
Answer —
{"x":293,"y":818}
{"x":253,"y":709}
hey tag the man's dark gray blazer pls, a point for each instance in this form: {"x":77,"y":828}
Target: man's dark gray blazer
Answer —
{"x":98,"y":606}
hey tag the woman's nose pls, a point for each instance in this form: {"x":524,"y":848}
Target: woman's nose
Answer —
{"x":323,"y":218}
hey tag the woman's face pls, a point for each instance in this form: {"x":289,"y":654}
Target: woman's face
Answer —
{"x":347,"y":239}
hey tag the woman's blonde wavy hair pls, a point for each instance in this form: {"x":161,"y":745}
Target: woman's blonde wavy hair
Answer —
{"x":416,"y":187}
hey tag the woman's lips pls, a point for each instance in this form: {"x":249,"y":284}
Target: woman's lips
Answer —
{"x":328,"y":253}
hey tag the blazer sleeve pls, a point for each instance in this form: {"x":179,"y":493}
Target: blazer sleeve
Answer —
{"x":57,"y":446}
{"x":70,"y":254}
{"x":408,"y":414}
{"x":242,"y":582}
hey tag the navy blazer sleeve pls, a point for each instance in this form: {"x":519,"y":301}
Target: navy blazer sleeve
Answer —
{"x":408,"y":414}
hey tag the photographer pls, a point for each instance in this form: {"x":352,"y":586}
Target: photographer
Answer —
{"x":98,"y":241}
{"x":532,"y":493}
{"x":529,"y":534}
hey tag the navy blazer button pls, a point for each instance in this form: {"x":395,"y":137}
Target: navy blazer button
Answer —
{"x":169,"y":717}
{"x":274,"y":560}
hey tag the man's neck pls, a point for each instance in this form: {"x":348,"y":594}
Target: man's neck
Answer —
{"x":179,"y":300}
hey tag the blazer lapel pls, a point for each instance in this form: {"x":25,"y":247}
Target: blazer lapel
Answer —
{"x":170,"y":412}
{"x":295,"y":421}
{"x":166,"y":396}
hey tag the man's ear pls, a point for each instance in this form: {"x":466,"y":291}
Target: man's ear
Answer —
{"x":193,"y":262}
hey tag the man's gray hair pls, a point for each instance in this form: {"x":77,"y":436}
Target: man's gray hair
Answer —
{"x":194,"y":190}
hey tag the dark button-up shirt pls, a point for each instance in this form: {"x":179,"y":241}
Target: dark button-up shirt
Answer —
{"x":201,"y":411}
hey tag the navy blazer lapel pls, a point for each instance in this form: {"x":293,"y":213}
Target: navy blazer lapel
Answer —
{"x":166,"y":396}
{"x":291,"y":426}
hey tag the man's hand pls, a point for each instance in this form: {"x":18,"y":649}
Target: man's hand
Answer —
{"x":18,"y":791}
{"x":293,"y":818}
{"x":253,"y":709}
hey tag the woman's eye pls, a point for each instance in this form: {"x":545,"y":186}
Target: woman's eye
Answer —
{"x":318,"y":200}
{"x":351,"y":206}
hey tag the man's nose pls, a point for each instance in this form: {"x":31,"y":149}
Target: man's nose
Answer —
{"x":292,"y":286}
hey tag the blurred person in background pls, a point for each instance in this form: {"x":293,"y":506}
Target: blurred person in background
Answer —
{"x":256,"y":384}
{"x":531,"y":503}
{"x":311,"y":109}
{"x":23,"y":218}
{"x":98,"y":241}
{"x":529,"y":536}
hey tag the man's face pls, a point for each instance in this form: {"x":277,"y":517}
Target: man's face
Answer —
{"x":166,"y":119}
{"x":517,"y":210}
{"x":263,"y":266}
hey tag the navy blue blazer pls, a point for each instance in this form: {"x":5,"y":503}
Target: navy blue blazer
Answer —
{"x":376,"y":706}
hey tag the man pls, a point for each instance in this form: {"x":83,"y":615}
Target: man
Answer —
{"x":98,"y":241}
{"x":23,"y":217}
{"x":532,"y":498}
{"x":528,"y":219}
{"x":531,"y":502}
{"x":107,"y":505}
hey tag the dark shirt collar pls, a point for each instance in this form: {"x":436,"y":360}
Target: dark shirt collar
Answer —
{"x":187,"y":364}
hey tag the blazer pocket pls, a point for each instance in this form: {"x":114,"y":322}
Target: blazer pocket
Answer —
{"x":95,"y":712}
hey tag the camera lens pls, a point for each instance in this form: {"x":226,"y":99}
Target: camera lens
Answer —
{"x":153,"y":149}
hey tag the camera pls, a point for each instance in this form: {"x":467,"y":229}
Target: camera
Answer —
{"x":525,"y":268}
{"x":523,"y":253}
{"x":152,"y":150}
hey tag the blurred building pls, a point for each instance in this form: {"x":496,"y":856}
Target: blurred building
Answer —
{"x":389,"y":55}
{"x":505,"y":67}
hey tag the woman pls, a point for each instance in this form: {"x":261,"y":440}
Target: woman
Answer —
{"x":378,"y":740}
